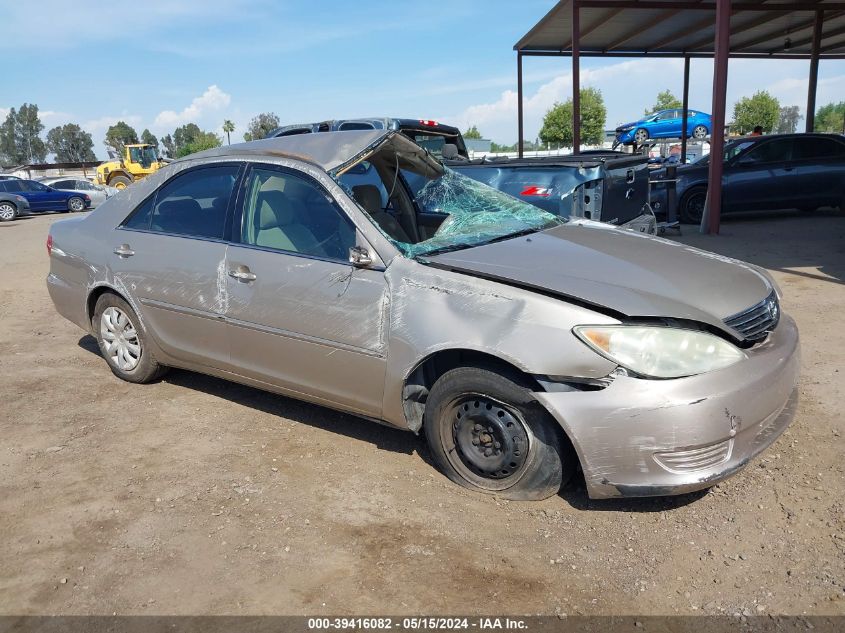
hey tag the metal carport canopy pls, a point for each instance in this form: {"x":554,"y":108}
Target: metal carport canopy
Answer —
{"x":762,"y":29}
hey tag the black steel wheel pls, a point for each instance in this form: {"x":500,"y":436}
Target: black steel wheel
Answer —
{"x":488,"y":433}
{"x":692,"y":205}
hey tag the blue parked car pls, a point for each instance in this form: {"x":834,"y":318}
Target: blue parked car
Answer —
{"x":43,"y":198}
{"x":664,"y":124}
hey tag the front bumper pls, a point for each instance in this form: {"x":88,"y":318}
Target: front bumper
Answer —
{"x":640,"y":438}
{"x":625,"y":137}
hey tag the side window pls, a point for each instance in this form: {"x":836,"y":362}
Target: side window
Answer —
{"x":806,"y":148}
{"x":770,"y":152}
{"x":13,"y":185}
{"x":140,"y":217}
{"x":83,"y":185}
{"x":290,"y":213}
{"x":195,"y":203}
{"x":63,"y":184}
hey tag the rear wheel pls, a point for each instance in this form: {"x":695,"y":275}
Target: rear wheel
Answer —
{"x":76,"y":204}
{"x":488,"y":433}
{"x":122,"y":341}
{"x":699,"y":132}
{"x":640,"y":136}
{"x":120,"y":182}
{"x":692,"y":205}
{"x":8,"y":211}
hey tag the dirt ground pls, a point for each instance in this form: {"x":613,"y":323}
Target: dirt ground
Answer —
{"x":198,"y":496}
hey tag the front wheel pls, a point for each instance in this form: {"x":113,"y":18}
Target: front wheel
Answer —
{"x":76,"y":204}
{"x":8,"y":211}
{"x":488,"y":433}
{"x":692,"y":206}
{"x":122,"y":342}
{"x":120,"y":182}
{"x":699,"y":132}
{"x":640,"y":136}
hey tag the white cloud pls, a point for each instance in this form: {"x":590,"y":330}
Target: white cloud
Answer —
{"x":211,"y":101}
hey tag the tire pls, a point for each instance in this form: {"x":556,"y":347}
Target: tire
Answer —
{"x":640,"y":136}
{"x":8,"y":211}
{"x":120,"y":182}
{"x":699,"y":132}
{"x":122,"y":342}
{"x":75,"y":204}
{"x":692,"y":205}
{"x":488,"y":433}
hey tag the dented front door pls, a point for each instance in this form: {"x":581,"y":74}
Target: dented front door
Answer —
{"x":308,"y":325}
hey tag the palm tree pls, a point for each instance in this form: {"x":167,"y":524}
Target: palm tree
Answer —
{"x":228,"y":127}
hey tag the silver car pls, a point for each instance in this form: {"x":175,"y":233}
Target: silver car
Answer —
{"x":98,"y":193}
{"x":353,"y":270}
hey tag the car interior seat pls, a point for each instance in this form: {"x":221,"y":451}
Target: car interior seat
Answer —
{"x":278,"y":225}
{"x":369,"y":197}
{"x":181,"y":216}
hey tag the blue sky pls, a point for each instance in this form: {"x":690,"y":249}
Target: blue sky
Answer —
{"x":166,"y":63}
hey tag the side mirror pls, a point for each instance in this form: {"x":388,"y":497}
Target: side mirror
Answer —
{"x":360,"y":257}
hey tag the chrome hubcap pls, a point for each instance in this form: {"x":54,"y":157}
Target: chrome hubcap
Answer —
{"x":7,"y":212}
{"x":76,"y":204}
{"x":640,"y":136}
{"x":699,"y":132}
{"x":120,"y":339}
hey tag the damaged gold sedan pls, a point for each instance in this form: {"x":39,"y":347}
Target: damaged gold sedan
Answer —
{"x":354,"y":270}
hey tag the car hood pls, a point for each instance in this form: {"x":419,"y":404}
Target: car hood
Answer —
{"x":627,"y":273}
{"x":631,"y":124}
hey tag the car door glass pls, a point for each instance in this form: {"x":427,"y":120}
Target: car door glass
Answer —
{"x":770,"y":152}
{"x":195,"y":203}
{"x":290,"y":213}
{"x":141,"y":216}
{"x":809,"y":148}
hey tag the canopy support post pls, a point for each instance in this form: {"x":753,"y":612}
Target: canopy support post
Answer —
{"x":576,"y":78}
{"x":519,"y":115}
{"x":717,"y":134}
{"x":685,"y":115}
{"x":814,"y":72}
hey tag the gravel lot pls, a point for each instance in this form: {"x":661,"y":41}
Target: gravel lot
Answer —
{"x":193,"y":495}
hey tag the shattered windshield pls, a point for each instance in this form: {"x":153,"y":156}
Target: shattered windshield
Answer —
{"x":424,"y":207}
{"x":475,"y":214}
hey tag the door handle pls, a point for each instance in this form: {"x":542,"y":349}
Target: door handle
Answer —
{"x":124,"y":251}
{"x":242,"y":273}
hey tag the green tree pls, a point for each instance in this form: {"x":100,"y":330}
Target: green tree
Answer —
{"x":119,"y":135}
{"x":149,"y":138}
{"x":261,"y":126}
{"x":473,"y":133}
{"x":761,"y":109}
{"x":185,"y":135}
{"x":199,"y":142}
{"x":169,"y":146}
{"x":71,"y":144}
{"x":830,"y":118}
{"x":557,"y":124}
{"x":20,"y":137}
{"x":788,"y":120}
{"x":228,"y":128}
{"x":665,"y":101}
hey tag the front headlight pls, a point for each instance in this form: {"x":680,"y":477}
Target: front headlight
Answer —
{"x":660,"y":352}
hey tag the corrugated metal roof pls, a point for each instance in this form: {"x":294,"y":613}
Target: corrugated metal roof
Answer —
{"x":678,"y":28}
